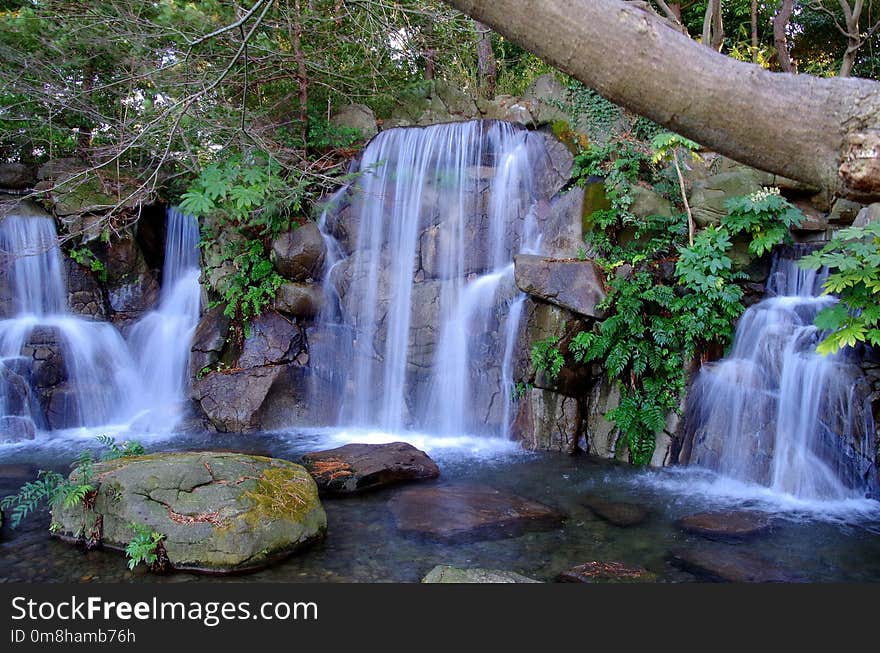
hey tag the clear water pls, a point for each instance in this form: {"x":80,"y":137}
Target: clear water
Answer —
{"x":816,"y":541}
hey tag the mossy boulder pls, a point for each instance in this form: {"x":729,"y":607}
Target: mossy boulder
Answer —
{"x":709,"y":196}
{"x":218,"y":512}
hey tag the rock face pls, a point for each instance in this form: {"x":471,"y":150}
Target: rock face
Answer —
{"x":274,"y":339}
{"x":572,"y":284}
{"x":709,"y":195}
{"x":360,"y":467}
{"x":547,"y":421}
{"x":446,"y":574}
{"x":17,"y":176}
{"x":219,"y":512}
{"x":468,"y":513}
{"x":356,"y":116}
{"x":208,"y":340}
{"x":298,"y":255}
{"x":231,"y":400}
{"x":731,"y":566}
{"x":606,"y":572}
{"x":726,"y":525}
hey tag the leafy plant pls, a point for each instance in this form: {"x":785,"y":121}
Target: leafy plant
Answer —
{"x":547,"y":358}
{"x":853,"y":260}
{"x":252,"y":287}
{"x":144,"y":546}
{"x":55,"y":489}
{"x":765,"y":215}
{"x":86,"y":258}
{"x":666,"y":147}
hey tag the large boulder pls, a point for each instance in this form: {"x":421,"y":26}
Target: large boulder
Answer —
{"x":447,"y":574}
{"x":273,"y":340}
{"x":709,"y":195}
{"x":469,"y":512}
{"x":231,"y":400}
{"x":358,"y":117}
{"x":360,"y":467}
{"x":546,"y":96}
{"x":867,"y":215}
{"x":301,"y":300}
{"x":84,"y":295}
{"x":17,"y":176}
{"x":572,"y":284}
{"x":218,"y":512}
{"x":298,"y":255}
{"x":618,"y":513}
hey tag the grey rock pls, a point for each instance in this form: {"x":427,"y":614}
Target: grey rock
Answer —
{"x":273,"y":340}
{"x":17,"y":176}
{"x":218,"y":512}
{"x":16,"y":428}
{"x":356,"y":116}
{"x":301,"y":300}
{"x":298,"y":255}
{"x":572,"y":284}
{"x":231,"y":401}
{"x":447,"y":574}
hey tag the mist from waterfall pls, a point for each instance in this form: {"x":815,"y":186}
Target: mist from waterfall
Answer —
{"x":424,"y":325}
{"x":777,"y":413}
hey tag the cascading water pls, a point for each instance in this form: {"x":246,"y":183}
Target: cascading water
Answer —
{"x":85,"y":373}
{"x":423,"y":314}
{"x":775,"y":412}
{"x":161,"y":340}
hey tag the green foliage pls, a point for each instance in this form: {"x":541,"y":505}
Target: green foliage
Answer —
{"x":547,"y":358}
{"x":54,"y":489}
{"x":86,"y":258}
{"x":766,"y":216}
{"x":144,"y":546}
{"x":853,"y":261}
{"x":252,"y":287}
{"x":665,"y":144}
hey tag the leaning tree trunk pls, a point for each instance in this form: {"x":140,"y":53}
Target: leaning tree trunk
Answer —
{"x":824,"y":132}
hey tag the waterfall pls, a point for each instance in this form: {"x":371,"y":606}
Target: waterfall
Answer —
{"x":423,"y":312}
{"x":41,"y":332}
{"x":161,"y":340}
{"x":777,"y":413}
{"x":60,"y":370}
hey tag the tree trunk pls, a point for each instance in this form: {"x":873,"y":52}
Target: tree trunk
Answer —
{"x":780,"y":36}
{"x":486,"y":65}
{"x":851,"y":16}
{"x":302,"y":75}
{"x":824,"y":132}
{"x":754,"y":17}
{"x":713,"y":27}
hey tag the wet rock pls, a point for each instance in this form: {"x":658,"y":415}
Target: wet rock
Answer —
{"x":84,"y":295}
{"x":274,"y":339}
{"x":606,"y":572}
{"x":209,"y":340}
{"x":298,"y":255}
{"x":572,"y":284}
{"x":219,"y":512}
{"x":359,"y":467}
{"x":359,"y":117}
{"x":726,"y":525}
{"x":17,"y":176}
{"x":562,"y":229}
{"x":132,"y":288}
{"x":555,"y":174}
{"x":447,"y":574}
{"x":301,"y":300}
{"x":232,"y":400}
{"x":507,"y":108}
{"x":469,"y":513}
{"x":545,"y":95}
{"x":844,"y":211}
{"x":617,"y":513}
{"x":16,"y":392}
{"x":719,"y":565}
{"x":546,"y":421}
{"x":16,"y":428}
{"x":867,"y":215}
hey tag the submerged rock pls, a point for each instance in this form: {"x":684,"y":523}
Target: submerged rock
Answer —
{"x":726,"y":525}
{"x":359,"y":467}
{"x":447,"y":574}
{"x":219,"y":512}
{"x":617,"y":513}
{"x":606,"y":572}
{"x":731,"y":566}
{"x":469,"y":513}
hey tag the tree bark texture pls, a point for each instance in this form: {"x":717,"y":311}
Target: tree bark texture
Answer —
{"x":821,"y":131}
